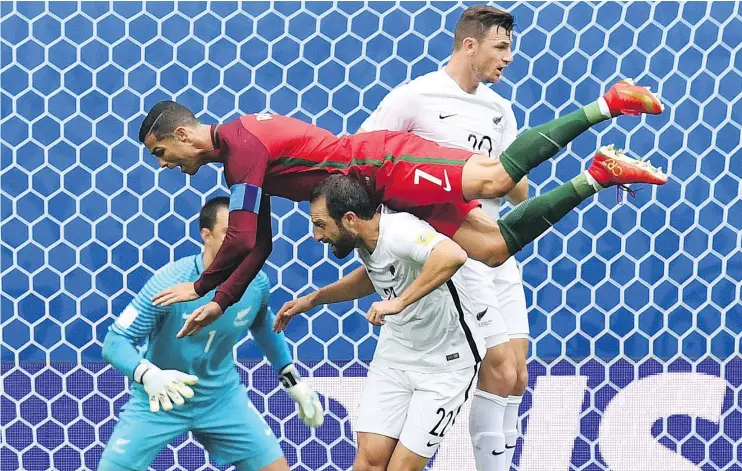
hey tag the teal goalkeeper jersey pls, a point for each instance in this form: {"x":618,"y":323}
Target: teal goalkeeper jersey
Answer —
{"x":207,"y":355}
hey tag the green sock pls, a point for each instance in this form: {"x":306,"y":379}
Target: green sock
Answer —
{"x":533,"y":217}
{"x":543,"y":142}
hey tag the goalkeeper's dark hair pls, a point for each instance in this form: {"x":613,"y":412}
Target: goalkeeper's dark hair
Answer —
{"x":343,"y":194}
{"x":164,"y":118}
{"x":207,"y":217}
{"x":476,"y":21}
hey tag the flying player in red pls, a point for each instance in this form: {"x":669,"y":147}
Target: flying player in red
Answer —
{"x":270,"y":155}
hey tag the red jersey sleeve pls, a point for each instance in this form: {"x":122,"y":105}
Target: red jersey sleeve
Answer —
{"x":238,"y":243}
{"x":245,"y":160}
{"x":231,"y":290}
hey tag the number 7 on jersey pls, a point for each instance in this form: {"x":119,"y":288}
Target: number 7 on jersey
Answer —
{"x":422,"y":175}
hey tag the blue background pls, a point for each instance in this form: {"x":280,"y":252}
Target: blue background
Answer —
{"x":615,"y":292}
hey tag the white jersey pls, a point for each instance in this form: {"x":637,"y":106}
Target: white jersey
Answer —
{"x":438,"y":332}
{"x":434,"y":107}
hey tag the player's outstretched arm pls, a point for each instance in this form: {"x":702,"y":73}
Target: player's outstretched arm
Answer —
{"x":247,"y":270}
{"x":234,"y":284}
{"x":355,"y":285}
{"x":119,"y":349}
{"x":271,"y":343}
{"x":134,"y":324}
{"x":277,"y":351}
{"x":243,"y":232}
{"x":443,"y":261}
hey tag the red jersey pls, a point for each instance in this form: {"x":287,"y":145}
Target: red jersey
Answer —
{"x":271,"y":155}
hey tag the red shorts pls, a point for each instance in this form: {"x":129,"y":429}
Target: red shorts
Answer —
{"x":418,"y":172}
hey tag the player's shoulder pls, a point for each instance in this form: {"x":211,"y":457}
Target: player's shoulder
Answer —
{"x":262,"y":282}
{"x":424,"y":84}
{"x":402,"y":223}
{"x":177,"y":271}
{"x":491,"y":95}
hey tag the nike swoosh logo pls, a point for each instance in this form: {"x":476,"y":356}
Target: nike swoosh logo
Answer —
{"x":508,"y":447}
{"x":444,"y":116}
{"x":495,"y":453}
{"x":433,"y":443}
{"x":480,"y":315}
{"x":448,"y":184}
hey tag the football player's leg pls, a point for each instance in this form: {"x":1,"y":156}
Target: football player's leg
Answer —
{"x":497,"y":372}
{"x":511,"y":297}
{"x":535,"y":216}
{"x":233,"y":431}
{"x":511,"y":419}
{"x":139,"y":436}
{"x":381,"y":416}
{"x":482,"y":179}
{"x":436,"y":402}
{"x":374,"y":452}
{"x":404,"y":459}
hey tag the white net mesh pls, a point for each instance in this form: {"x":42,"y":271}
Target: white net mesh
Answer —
{"x":620,"y":297}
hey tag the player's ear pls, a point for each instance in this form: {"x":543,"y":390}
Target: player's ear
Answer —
{"x":349,"y":219}
{"x":469,"y":45}
{"x":205,"y":234}
{"x":181,"y":133}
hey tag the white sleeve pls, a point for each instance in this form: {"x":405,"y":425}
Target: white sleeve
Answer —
{"x":397,"y":112}
{"x":413,"y":242}
{"x":510,"y":129}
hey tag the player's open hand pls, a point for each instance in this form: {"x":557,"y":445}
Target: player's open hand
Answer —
{"x":200,"y":318}
{"x":290,"y":309}
{"x":179,"y":293}
{"x":167,"y":387}
{"x":307,"y":401}
{"x":379,"y":309}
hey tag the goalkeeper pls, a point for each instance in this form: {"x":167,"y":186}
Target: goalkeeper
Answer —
{"x":198,"y":369}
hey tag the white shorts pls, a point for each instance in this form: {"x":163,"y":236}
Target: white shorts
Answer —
{"x":500,"y":302}
{"x":415,"y":408}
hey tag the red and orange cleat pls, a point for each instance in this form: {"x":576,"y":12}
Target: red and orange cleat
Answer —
{"x":611,"y":167}
{"x":626,"y":98}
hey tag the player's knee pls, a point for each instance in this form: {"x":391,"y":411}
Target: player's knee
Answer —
{"x":368,"y":463}
{"x":484,"y":178}
{"x":496,"y":253}
{"x":521,"y":381}
{"x":498,"y":373}
{"x":367,"y":459}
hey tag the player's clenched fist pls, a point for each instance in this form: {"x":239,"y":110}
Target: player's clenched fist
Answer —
{"x":290,"y":309}
{"x":379,"y":309}
{"x":164,"y":387}
{"x":307,"y":401}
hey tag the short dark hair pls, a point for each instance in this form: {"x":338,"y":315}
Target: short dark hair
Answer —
{"x":207,"y":217}
{"x":476,"y":21}
{"x":343,"y":194}
{"x":164,"y":118}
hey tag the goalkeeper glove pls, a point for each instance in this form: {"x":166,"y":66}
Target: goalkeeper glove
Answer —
{"x":164,"y":386}
{"x":307,"y":401}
